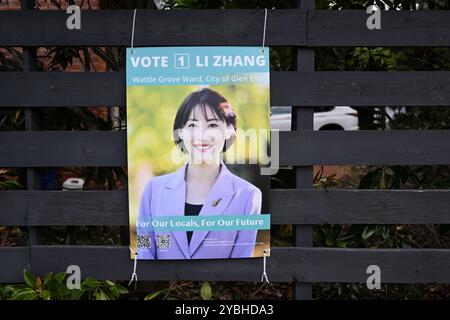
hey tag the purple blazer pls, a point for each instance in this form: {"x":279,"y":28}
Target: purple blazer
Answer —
{"x":165,"y":196}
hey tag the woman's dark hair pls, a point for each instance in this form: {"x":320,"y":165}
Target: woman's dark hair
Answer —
{"x":204,"y":98}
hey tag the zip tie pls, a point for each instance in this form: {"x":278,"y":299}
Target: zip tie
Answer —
{"x":264,"y":277}
{"x":132,"y":32}
{"x":134,"y":274}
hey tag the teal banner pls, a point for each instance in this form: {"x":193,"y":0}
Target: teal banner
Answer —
{"x":197,"y":66}
{"x":205,"y":223}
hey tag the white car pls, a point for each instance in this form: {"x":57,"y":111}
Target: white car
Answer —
{"x":325,"y":118}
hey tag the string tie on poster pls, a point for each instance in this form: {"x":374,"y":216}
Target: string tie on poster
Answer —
{"x":132,"y":32}
{"x":264,"y":31}
{"x":264,"y":277}
{"x":134,"y":274}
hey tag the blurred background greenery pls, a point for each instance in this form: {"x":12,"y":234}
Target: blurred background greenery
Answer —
{"x":151,"y":112}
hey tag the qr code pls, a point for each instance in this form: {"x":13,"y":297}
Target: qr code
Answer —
{"x":163,"y":241}
{"x":143,"y":241}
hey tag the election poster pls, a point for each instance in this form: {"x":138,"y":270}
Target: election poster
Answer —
{"x":198,"y":135}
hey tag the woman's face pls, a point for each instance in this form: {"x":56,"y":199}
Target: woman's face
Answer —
{"x":204,"y":137}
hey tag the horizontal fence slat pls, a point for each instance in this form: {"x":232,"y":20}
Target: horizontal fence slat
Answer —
{"x":284,"y":264}
{"x":108,"y":148}
{"x":334,"y":88}
{"x":361,"y":88}
{"x":292,"y":206}
{"x":365,"y":147}
{"x":398,"y":28}
{"x":13,"y":260}
{"x":289,"y":206}
{"x":59,"y":89}
{"x":154,"y":28}
{"x":287,"y":27}
{"x":61,"y":208}
{"x":52,"y":149}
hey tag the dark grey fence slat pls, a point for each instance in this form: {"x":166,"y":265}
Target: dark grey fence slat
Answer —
{"x":13,"y":261}
{"x":361,"y":88}
{"x":397,"y":147}
{"x":58,"y":89}
{"x":103,"y":148}
{"x":350,"y":265}
{"x":360,"y":206}
{"x":154,"y":28}
{"x":50,"y":149}
{"x":226,"y":27}
{"x":398,"y":28}
{"x":284,"y":264}
{"x":46,"y":208}
{"x":353,"y":88}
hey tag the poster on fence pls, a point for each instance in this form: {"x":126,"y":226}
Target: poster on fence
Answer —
{"x":197,"y":139}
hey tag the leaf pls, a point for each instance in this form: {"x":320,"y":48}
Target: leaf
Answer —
{"x":383,"y":179}
{"x":45,"y":295}
{"x":24,"y":294}
{"x":110,"y":283}
{"x":60,"y":276}
{"x":153,"y":295}
{"x":385,"y":232}
{"x":47,"y":279}
{"x":90,"y":283}
{"x":389,"y":171}
{"x":76,"y":294}
{"x":38,"y":283}
{"x":122,"y":290}
{"x":367,"y":233}
{"x":100,"y":295}
{"x":29,"y":279}
{"x":114,"y":291}
{"x":205,"y":291}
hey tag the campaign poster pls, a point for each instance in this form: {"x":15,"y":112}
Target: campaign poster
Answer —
{"x":198,"y":134}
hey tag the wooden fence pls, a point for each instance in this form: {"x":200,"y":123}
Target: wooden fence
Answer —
{"x":303,"y":28}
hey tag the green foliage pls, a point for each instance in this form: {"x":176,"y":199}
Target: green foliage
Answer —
{"x":206,"y":291}
{"x":9,"y":180}
{"x":153,"y":295}
{"x":53,"y":287}
{"x":421,"y":118}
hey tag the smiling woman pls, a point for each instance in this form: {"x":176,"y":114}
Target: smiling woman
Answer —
{"x":204,"y":122}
